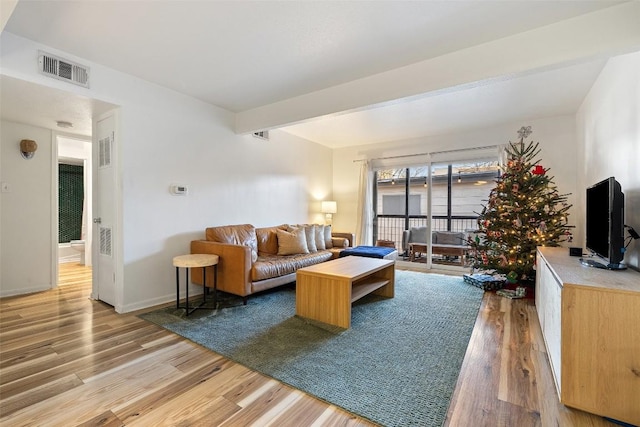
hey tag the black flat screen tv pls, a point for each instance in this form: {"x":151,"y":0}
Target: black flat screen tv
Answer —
{"x":605,"y":225}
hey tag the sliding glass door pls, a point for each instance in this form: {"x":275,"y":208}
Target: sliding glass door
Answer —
{"x":442,"y":196}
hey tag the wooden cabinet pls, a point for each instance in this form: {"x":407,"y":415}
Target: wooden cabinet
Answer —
{"x":590,"y":320}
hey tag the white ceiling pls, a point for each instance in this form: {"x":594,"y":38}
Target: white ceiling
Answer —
{"x":242,"y":55}
{"x":41,"y":106}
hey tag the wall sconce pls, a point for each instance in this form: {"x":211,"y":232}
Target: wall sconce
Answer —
{"x":329,"y":208}
{"x":28,"y":148}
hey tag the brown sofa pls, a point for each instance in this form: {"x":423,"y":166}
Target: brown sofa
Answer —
{"x":249,"y":260}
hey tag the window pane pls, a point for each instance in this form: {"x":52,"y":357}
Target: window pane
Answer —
{"x":471,"y":184}
{"x":391,"y":192}
{"x":439,"y":193}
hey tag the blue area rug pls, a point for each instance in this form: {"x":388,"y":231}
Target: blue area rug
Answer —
{"x":397,"y":365}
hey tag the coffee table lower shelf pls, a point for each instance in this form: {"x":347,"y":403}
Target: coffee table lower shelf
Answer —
{"x":358,"y":290}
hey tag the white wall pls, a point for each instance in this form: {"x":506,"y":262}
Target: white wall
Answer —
{"x":608,"y":128}
{"x":25,"y":211}
{"x":556,"y":136}
{"x":166,"y":138}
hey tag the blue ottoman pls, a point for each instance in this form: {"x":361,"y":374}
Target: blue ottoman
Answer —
{"x":371,"y":252}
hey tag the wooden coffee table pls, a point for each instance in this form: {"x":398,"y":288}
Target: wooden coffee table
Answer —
{"x":325,"y":291}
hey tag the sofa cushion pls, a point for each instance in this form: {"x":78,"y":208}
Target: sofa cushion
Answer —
{"x":270,"y":266}
{"x":418,"y":235}
{"x":268,"y":239}
{"x":292,"y":242}
{"x":450,"y":238}
{"x":241,"y":234}
{"x":319,"y":235}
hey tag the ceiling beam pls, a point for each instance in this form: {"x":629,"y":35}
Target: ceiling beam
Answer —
{"x":599,"y":34}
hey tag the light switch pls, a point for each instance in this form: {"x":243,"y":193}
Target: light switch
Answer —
{"x":6,"y":187}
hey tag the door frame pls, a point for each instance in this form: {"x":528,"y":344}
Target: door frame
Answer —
{"x":55,"y":214}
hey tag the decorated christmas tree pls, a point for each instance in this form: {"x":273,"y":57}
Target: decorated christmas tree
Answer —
{"x":524,"y":210}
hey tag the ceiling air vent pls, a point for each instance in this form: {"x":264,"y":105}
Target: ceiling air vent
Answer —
{"x":264,"y":134}
{"x":62,"y":69}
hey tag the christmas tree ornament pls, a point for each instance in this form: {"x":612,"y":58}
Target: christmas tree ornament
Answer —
{"x":538,"y":170}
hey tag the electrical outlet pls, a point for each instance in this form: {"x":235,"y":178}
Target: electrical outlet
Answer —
{"x":6,"y":187}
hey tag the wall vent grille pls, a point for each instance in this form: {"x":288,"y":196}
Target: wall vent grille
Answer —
{"x":62,"y":69}
{"x":264,"y":134}
{"x":105,"y":241}
{"x":104,"y":155}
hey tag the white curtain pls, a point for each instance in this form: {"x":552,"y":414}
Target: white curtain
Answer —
{"x":502,"y":155}
{"x":364,"y":225}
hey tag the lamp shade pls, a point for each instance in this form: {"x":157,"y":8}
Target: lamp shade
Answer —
{"x":330,"y":207}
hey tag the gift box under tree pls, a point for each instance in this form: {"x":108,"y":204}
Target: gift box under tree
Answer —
{"x":485,"y":282}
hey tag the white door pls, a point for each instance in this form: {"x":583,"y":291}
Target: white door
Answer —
{"x":104,"y":212}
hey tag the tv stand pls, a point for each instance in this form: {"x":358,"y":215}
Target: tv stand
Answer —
{"x":597,"y":264}
{"x":589,"y":318}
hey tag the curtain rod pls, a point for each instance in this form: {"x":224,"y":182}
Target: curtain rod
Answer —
{"x":426,"y":154}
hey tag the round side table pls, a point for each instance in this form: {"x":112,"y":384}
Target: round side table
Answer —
{"x":191,"y":261}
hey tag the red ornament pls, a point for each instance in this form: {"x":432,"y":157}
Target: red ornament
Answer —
{"x":538,"y":170}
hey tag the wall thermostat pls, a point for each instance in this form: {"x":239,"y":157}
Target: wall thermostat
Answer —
{"x":179,"y":190}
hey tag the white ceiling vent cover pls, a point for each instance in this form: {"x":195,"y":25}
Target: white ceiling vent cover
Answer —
{"x":62,"y":69}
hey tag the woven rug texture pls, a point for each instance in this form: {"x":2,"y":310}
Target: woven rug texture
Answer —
{"x":397,"y":365}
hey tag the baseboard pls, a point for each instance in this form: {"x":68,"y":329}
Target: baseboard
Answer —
{"x":14,"y":292}
{"x":158,"y":301}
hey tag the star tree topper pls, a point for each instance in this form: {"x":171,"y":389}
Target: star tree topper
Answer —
{"x":524,"y":132}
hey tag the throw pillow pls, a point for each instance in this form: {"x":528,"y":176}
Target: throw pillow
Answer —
{"x":310,"y":234}
{"x":319,"y":236}
{"x":292,"y":242}
{"x":309,"y":230}
{"x":328,"y":243}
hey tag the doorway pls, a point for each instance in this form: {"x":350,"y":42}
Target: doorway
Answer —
{"x":74,"y":208}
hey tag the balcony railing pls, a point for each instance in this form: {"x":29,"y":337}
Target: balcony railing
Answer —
{"x":390,"y":227}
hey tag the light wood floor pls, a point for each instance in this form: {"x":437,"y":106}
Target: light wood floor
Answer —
{"x":66,"y":360}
